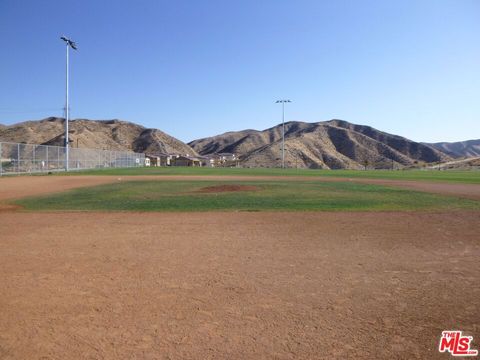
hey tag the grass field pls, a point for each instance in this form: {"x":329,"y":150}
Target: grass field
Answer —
{"x":472,"y":177}
{"x":266,"y":195}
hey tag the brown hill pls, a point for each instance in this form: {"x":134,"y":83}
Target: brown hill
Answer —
{"x":95,"y":134}
{"x":334,"y":144}
{"x":470,"y":163}
{"x":470,"y":148}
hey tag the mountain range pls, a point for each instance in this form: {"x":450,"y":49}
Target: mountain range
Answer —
{"x":95,"y":134}
{"x":470,"y":148}
{"x":333,"y":144}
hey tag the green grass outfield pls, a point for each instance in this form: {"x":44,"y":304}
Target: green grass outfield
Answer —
{"x":472,"y":177}
{"x":269,"y":195}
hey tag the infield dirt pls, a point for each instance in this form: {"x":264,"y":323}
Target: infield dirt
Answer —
{"x":235,"y":285}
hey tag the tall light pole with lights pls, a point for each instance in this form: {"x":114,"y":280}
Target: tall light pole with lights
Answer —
{"x":283,"y":102}
{"x":70,"y":44}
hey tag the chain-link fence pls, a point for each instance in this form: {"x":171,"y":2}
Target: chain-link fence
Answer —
{"x":28,"y":158}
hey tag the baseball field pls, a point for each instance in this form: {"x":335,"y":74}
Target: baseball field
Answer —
{"x":170,"y":263}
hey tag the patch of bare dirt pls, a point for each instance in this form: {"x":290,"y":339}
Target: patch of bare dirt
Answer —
{"x":236,"y":285}
{"x":9,"y":207}
{"x":227,"y":188}
{"x":22,"y":186}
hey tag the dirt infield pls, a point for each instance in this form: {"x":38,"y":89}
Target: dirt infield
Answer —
{"x":236,"y":285}
{"x":21,"y":186}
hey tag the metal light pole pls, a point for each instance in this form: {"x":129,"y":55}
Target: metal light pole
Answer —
{"x":283,"y":129}
{"x":70,"y":44}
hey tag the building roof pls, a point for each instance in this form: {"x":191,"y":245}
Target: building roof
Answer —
{"x":188,"y":157}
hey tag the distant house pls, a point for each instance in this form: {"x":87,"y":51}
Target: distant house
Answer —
{"x":220,"y":160}
{"x":209,"y":161}
{"x":227,"y":160}
{"x":159,"y":159}
{"x":227,"y":157}
{"x":152,"y":160}
{"x":181,"y":160}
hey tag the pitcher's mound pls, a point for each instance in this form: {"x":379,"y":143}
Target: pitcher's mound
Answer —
{"x":227,"y":188}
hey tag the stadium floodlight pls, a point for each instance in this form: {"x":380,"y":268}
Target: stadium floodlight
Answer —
{"x":283,"y":102}
{"x":70,"y":44}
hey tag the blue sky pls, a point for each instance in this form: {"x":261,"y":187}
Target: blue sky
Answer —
{"x":200,"y":68}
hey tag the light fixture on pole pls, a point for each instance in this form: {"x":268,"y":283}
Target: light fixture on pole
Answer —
{"x":283,"y":129}
{"x":70,"y":44}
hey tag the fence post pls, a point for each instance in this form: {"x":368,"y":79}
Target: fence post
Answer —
{"x":1,"y":158}
{"x":18,"y":157}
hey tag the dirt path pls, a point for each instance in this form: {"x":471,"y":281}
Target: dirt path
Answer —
{"x":236,"y":285}
{"x":21,"y":186}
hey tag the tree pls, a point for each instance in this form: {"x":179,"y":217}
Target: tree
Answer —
{"x":365,"y":163}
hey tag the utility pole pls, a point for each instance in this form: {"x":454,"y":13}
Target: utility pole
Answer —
{"x":283,"y":129}
{"x":70,"y":44}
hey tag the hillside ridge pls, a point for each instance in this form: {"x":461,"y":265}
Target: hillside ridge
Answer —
{"x":458,"y":149}
{"x":111,"y":134}
{"x":332,"y":144}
